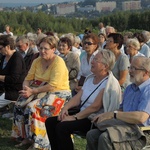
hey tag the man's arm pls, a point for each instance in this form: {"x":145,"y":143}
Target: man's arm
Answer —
{"x":135,"y":117}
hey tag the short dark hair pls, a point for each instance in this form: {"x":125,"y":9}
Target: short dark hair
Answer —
{"x":140,"y":37}
{"x":117,"y":37}
{"x":66,"y":40}
{"x":6,"y":40}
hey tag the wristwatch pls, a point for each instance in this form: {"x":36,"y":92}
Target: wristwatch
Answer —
{"x":115,"y":114}
{"x":75,"y":117}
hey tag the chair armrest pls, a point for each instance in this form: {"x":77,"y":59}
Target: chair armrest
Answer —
{"x":145,"y":128}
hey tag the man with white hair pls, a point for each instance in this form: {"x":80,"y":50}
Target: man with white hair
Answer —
{"x":120,"y":129}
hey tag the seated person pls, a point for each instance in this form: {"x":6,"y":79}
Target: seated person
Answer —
{"x":134,"y":110}
{"x":51,"y":69}
{"x":71,"y":59}
{"x":23,"y":46}
{"x":132,"y":48}
{"x":12,"y":71}
{"x":114,"y":43}
{"x":90,"y":45}
{"x":95,"y":96}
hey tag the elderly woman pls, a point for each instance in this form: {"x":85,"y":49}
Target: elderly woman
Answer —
{"x":12,"y":71}
{"x":132,"y":48}
{"x":114,"y":43}
{"x":90,"y":45}
{"x":144,"y":48}
{"x":71,"y":59}
{"x":95,"y":92}
{"x":51,"y":69}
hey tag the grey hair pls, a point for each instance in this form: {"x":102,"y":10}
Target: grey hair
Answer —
{"x":77,"y":40}
{"x":134,"y":42}
{"x":108,"y":58}
{"x":23,"y":38}
{"x":144,"y":62}
{"x":146,"y":35}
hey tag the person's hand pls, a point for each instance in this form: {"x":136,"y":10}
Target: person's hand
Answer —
{"x":68,"y":118}
{"x":26,"y":92}
{"x":102,"y":117}
{"x":63,"y":113}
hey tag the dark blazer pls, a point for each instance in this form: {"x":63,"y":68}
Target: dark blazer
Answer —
{"x":29,"y":59}
{"x":14,"y":72}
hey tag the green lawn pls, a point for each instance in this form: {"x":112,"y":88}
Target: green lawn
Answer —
{"x":6,"y":143}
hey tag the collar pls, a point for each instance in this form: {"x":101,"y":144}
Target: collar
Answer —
{"x":141,"y":87}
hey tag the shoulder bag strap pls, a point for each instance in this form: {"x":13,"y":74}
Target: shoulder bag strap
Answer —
{"x":93,"y":92}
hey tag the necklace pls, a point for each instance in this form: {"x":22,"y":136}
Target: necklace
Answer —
{"x":46,"y":64}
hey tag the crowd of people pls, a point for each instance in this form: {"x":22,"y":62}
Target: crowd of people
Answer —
{"x":43,"y":75}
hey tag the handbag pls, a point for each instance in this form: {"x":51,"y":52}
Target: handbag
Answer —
{"x":81,"y":81}
{"x":76,"y":109}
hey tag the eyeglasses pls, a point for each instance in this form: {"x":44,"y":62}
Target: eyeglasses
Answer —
{"x":19,"y":46}
{"x":109,"y":41}
{"x":44,"y":48}
{"x":88,"y":43}
{"x":134,"y":68}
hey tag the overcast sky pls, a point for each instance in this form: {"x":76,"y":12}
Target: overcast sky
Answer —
{"x":35,"y":1}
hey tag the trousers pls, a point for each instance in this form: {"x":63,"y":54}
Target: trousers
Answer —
{"x":3,"y":101}
{"x":59,"y":133}
{"x":100,"y":140}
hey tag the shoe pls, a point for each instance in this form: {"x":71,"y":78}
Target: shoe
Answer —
{"x":24,"y":142}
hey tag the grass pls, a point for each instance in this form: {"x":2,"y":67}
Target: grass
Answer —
{"x":6,"y":143}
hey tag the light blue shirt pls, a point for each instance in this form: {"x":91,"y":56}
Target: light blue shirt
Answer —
{"x":137,"y":98}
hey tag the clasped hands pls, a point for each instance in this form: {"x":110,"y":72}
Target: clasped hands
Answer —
{"x":64,"y":116}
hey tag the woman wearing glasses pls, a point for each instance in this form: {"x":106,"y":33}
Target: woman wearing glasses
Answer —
{"x":114,"y":43}
{"x":50,"y":69}
{"x":90,"y":45}
{"x":101,"y":92}
{"x":12,"y":72}
{"x":132,"y":48}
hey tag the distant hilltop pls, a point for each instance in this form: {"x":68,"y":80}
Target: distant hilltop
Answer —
{"x":17,"y":4}
{"x":33,"y":4}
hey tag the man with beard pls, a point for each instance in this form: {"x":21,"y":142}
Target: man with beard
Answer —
{"x":120,"y":129}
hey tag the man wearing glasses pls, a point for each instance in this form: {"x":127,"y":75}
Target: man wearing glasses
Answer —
{"x":27,"y":53}
{"x":123,"y":130}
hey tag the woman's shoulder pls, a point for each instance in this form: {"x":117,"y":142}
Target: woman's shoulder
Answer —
{"x":58,"y":59}
{"x":123,"y":57}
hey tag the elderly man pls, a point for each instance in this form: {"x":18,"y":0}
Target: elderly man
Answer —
{"x":134,"y":112}
{"x":110,"y":29}
{"x":27,"y":53}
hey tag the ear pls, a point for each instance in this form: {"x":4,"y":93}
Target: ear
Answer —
{"x":54,"y":49}
{"x":106,"y":66}
{"x":146,"y":73}
{"x":8,"y":46}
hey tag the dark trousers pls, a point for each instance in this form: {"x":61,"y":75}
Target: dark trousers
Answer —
{"x":59,"y":133}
